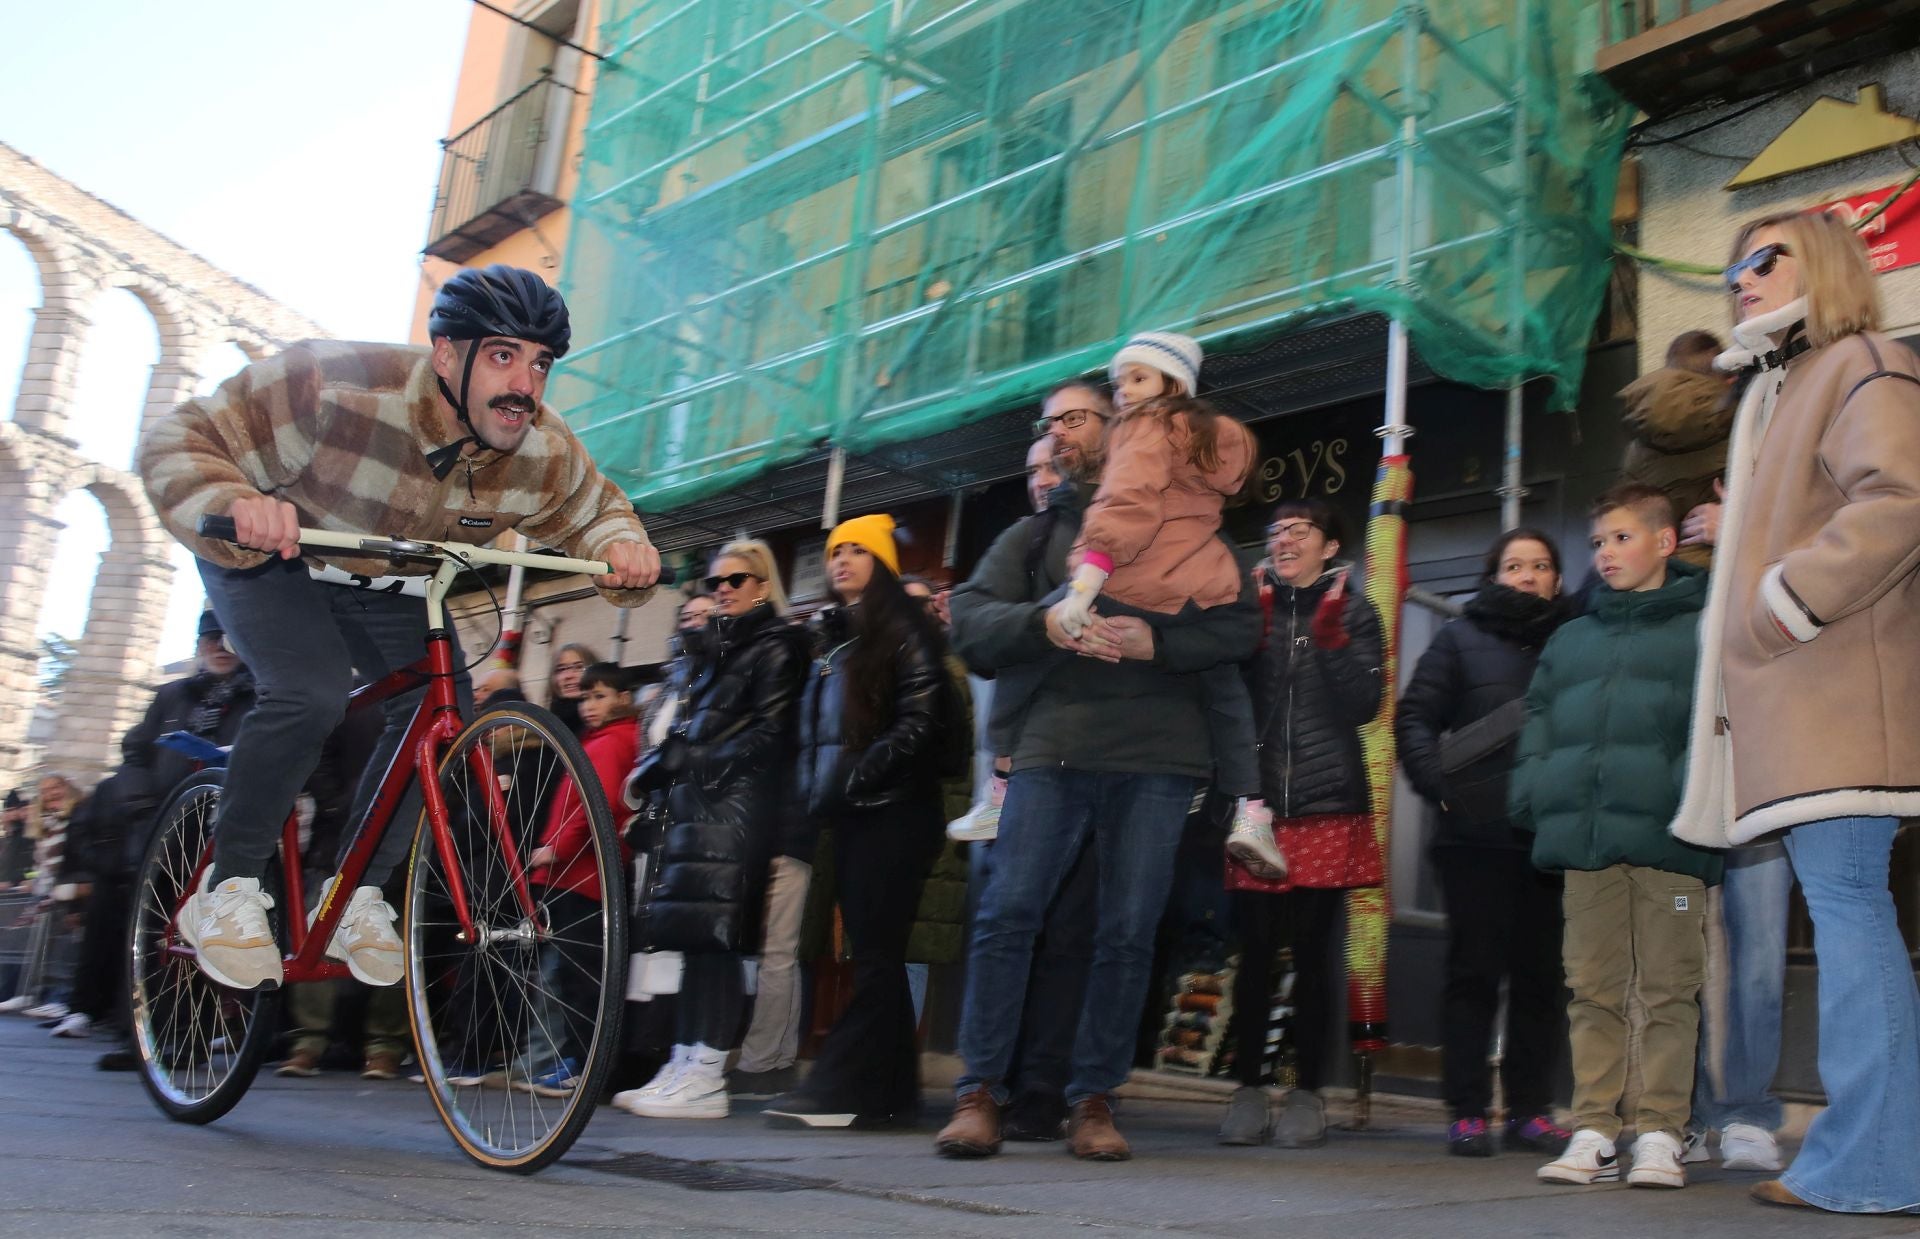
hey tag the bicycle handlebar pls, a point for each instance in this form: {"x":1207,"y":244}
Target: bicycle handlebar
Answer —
{"x":324,"y":541}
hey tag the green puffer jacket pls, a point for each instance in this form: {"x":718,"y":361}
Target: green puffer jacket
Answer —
{"x":1604,"y":753}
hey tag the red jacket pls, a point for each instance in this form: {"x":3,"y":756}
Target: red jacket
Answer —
{"x":612,"y":749}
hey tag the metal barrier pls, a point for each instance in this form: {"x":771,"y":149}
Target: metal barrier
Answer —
{"x":37,"y":951}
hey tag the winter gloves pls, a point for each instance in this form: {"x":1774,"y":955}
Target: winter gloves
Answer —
{"x":1074,"y":612}
{"x":1329,"y":618}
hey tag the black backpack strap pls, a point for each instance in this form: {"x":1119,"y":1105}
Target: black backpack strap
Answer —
{"x":1880,"y":371}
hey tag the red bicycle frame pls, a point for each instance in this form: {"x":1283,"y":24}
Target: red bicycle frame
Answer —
{"x":436,"y":722}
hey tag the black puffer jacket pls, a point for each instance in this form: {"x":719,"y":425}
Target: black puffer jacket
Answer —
{"x":901,"y":765}
{"x":1310,"y":703}
{"x":1476,"y":665}
{"x":111,"y":837}
{"x":723,"y":808}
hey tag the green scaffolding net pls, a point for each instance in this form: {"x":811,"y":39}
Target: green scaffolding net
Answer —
{"x":861,"y":222}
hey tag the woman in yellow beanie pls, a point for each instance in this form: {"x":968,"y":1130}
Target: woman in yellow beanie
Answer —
{"x":868,"y":765}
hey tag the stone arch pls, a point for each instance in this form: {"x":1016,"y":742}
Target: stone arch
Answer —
{"x":59,"y":322}
{"x":175,"y":373}
{"x":110,"y":680}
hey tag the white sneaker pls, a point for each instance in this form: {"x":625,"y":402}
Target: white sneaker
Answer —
{"x":981,"y":822}
{"x":48,"y":1011}
{"x":1696,"y":1150}
{"x":1251,"y":841}
{"x":698,"y":1092}
{"x":75,"y":1025}
{"x":15,"y":1004}
{"x":228,"y":931}
{"x":1590,"y":1158}
{"x":365,"y":940}
{"x":1656,"y":1162}
{"x":663,"y":1079}
{"x":1744,"y":1146}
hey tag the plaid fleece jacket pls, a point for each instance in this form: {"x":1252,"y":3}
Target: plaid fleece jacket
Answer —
{"x":342,"y":431}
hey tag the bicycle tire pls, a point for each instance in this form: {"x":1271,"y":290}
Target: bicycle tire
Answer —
{"x":199,"y":1044}
{"x":484,"y":1016}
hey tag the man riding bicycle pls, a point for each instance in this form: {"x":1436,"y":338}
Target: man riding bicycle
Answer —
{"x":446,"y":443}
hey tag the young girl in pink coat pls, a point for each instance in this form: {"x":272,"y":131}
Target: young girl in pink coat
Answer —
{"x":1150,"y":543}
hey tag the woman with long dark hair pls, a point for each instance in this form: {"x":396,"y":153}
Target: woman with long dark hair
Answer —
{"x":1459,"y":728}
{"x":870,"y":730}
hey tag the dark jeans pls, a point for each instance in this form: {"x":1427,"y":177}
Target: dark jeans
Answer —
{"x":100,"y":974}
{"x":303,"y":640}
{"x":1135,"y":821}
{"x":869,"y":1063}
{"x":712,"y":1002}
{"x":1057,"y":989}
{"x":1503,"y":924}
{"x":1303,"y":919}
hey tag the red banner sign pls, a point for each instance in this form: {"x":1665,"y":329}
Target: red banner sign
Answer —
{"x":1893,"y":240}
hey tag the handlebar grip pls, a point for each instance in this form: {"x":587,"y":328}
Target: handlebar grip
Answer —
{"x":218,"y":527}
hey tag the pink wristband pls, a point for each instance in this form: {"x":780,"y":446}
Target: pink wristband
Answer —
{"x":1099,"y":559}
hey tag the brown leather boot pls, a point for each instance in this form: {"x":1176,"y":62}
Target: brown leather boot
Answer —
{"x":974,"y":1130}
{"x":1091,"y":1133}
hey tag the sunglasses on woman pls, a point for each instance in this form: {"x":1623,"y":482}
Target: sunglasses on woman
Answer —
{"x":733,"y":580}
{"x":1760,"y":262}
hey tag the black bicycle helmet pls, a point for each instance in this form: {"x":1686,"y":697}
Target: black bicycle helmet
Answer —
{"x":493,"y":301}
{"x":501,"y":301}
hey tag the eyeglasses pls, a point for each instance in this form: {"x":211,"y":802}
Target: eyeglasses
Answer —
{"x":1760,"y":262}
{"x":1291,"y":531}
{"x":733,"y":580}
{"x":560,"y":667}
{"x":1070,"y":419}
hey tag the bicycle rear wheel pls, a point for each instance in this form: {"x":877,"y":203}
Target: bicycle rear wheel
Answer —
{"x":200,"y":1044}
{"x":516,"y":1027}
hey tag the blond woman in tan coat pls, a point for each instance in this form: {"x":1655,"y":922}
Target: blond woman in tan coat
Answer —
{"x":1807,"y":709}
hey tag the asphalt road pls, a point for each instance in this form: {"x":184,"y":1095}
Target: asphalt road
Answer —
{"x":84,"y":1153}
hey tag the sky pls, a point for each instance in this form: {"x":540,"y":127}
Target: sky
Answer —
{"x":293,"y":145}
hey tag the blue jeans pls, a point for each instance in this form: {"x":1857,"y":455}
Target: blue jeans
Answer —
{"x":1753,"y":910}
{"x":1862,"y":1153}
{"x":1135,"y":821}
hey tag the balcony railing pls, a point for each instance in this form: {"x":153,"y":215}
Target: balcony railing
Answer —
{"x":1668,"y":55}
{"x":499,"y":174}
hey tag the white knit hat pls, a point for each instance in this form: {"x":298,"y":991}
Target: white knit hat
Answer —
{"x":1173,"y":355}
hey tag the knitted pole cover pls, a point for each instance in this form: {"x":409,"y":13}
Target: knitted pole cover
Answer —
{"x":1368,"y":908}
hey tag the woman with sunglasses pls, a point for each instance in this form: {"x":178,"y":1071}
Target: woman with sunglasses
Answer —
{"x":871,"y":729}
{"x":724,"y":767}
{"x":1316,"y":682}
{"x":1806,"y":720}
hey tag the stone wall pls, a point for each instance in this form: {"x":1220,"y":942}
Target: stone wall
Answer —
{"x":83,"y":248}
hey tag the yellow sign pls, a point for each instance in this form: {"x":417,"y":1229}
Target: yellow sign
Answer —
{"x":1829,"y":131}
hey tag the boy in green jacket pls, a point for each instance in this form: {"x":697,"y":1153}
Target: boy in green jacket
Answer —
{"x":1602,"y":760}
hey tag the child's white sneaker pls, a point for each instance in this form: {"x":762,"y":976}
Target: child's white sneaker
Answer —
{"x":1251,"y":840}
{"x":1590,"y":1158}
{"x":981,"y":822}
{"x":1656,"y":1162}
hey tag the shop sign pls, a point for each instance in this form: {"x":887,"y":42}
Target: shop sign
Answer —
{"x":1893,"y":240}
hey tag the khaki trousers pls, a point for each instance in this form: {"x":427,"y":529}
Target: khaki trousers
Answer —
{"x":773,"y":1037}
{"x":1631,"y":930}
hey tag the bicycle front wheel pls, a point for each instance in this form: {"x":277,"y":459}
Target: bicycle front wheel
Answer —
{"x":200,"y":1044}
{"x":517,"y":1022}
